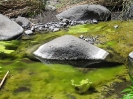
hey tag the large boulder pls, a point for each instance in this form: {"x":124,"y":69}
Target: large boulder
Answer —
{"x":86,"y":12}
{"x":9,"y":29}
{"x":69,"y":47}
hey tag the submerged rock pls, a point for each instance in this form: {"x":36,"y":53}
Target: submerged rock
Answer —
{"x":69,"y":47}
{"x":86,"y":12}
{"x":9,"y":29}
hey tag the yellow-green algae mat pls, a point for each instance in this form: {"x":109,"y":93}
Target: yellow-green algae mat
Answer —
{"x":32,"y":80}
{"x":3,"y":48}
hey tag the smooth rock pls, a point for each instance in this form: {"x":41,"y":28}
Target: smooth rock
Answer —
{"x":69,"y":47}
{"x":9,"y":29}
{"x":86,"y":12}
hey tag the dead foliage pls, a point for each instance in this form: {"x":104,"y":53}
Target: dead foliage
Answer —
{"x":12,"y":8}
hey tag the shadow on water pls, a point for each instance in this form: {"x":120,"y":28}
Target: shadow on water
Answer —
{"x":81,"y":63}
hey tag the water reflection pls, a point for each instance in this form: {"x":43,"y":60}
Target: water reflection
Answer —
{"x":81,"y":63}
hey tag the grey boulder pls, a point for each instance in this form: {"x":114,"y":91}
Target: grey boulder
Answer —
{"x":24,"y":22}
{"x":69,"y":47}
{"x":9,"y":29}
{"x":86,"y":12}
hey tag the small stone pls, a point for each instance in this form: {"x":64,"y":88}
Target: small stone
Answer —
{"x":116,"y":26}
{"x":86,"y":39}
{"x":131,"y":55}
{"x":94,"y":21}
{"x":50,"y":8}
{"x":81,"y":36}
{"x":56,"y":29}
{"x":51,"y":28}
{"x":28,"y":32}
{"x":40,"y":28}
{"x":33,"y":28}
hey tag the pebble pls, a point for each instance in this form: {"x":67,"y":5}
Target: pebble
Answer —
{"x":28,"y":32}
{"x":91,"y":39}
{"x":56,"y":26}
{"x":81,"y":36}
{"x":94,"y":21}
{"x":56,"y":29}
{"x":116,"y":26}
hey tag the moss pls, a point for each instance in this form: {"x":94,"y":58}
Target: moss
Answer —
{"x":54,"y":80}
{"x":36,"y":80}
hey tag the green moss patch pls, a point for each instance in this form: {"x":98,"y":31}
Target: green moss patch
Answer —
{"x":3,"y":47}
{"x":30,"y":79}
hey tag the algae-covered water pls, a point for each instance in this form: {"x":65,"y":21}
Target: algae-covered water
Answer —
{"x":31,"y":79}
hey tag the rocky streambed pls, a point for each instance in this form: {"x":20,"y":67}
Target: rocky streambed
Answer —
{"x":33,"y":79}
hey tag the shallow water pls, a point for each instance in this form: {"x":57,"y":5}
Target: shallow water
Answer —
{"x":32,"y":80}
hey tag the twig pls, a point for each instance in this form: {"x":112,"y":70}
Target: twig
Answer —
{"x":4,"y":79}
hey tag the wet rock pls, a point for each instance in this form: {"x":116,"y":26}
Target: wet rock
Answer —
{"x":69,"y":47}
{"x":86,"y":12}
{"x":9,"y":29}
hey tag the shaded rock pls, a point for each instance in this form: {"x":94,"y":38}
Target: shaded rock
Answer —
{"x":9,"y":29}
{"x":24,"y":22}
{"x":50,"y":7}
{"x":69,"y":47}
{"x":86,"y":12}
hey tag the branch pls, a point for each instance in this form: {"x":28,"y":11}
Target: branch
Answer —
{"x":4,"y":79}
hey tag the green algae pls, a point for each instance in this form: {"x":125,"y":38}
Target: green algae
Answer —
{"x":3,"y":47}
{"x":33,"y":80}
